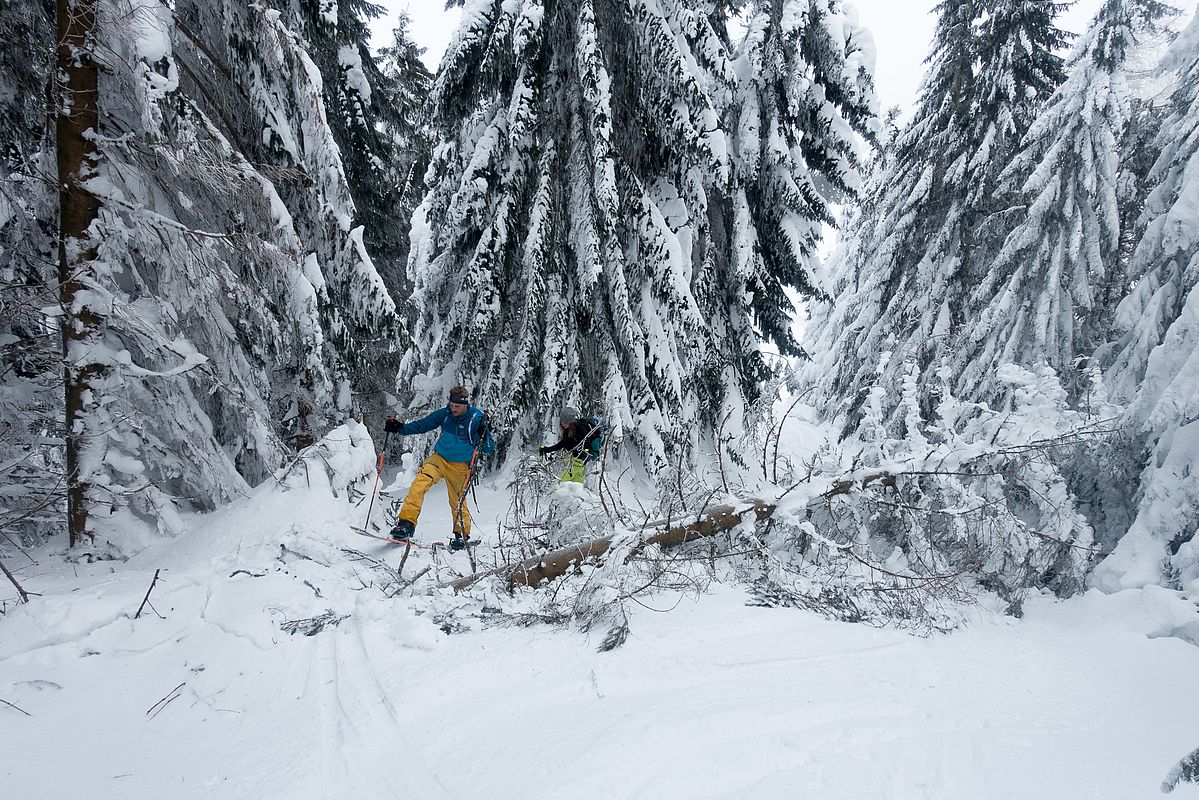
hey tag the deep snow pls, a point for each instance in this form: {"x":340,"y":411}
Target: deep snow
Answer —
{"x":1086,"y":698}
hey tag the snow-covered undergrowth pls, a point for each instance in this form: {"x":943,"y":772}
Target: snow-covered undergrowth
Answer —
{"x":280,"y":655}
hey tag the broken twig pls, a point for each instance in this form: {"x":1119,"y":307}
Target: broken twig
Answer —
{"x":24,"y":595}
{"x":146,"y":599}
{"x":153,"y":710}
{"x":18,"y":708}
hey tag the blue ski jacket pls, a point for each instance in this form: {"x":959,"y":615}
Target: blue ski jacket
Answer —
{"x":459,"y":435}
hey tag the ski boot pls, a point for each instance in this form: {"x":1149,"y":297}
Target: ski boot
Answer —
{"x":458,"y":542}
{"x":403,"y":530}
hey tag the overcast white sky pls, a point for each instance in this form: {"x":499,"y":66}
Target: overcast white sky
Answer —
{"x":901,"y":29}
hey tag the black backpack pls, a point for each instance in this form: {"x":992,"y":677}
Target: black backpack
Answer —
{"x":593,"y":442}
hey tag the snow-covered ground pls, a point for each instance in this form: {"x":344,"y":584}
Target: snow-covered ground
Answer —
{"x":207,"y":696}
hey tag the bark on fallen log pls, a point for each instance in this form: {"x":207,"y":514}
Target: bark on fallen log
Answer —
{"x":554,"y":564}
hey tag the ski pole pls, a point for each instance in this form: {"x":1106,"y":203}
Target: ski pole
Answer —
{"x":466,"y":484}
{"x":378,"y":472}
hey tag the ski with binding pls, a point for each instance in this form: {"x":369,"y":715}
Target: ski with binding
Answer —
{"x":381,"y":537}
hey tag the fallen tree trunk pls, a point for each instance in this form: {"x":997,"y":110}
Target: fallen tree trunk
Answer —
{"x":554,"y":564}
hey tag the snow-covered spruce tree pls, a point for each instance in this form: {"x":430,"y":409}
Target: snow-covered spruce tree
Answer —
{"x":164,"y":281}
{"x":903,"y":272}
{"x":805,"y":88}
{"x":1019,"y":49}
{"x":359,"y":106}
{"x":576,"y":241}
{"x":25,"y":62}
{"x":1037,"y":303}
{"x":31,"y":399}
{"x":405,"y":90}
{"x":1105,"y":480}
{"x":370,"y":113}
{"x":217,"y":332}
{"x":1139,"y":151}
{"x":307,"y":73}
{"x":1156,"y":360}
{"x":971,"y":491}
{"x":552,"y":257}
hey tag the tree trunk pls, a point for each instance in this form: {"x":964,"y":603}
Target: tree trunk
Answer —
{"x":552,"y":565}
{"x":75,"y":120}
{"x":532,"y":571}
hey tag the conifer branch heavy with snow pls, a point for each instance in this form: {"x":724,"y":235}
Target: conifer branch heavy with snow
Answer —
{"x":232,"y":308}
{"x":594,"y":235}
{"x":1156,"y":352}
{"x":1038,"y":302}
{"x":902,"y":276}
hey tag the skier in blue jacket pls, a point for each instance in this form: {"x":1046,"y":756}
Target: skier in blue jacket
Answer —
{"x":464,"y":435}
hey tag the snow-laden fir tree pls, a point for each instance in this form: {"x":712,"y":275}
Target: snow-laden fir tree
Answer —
{"x":544,"y":258}
{"x":1037,"y":303}
{"x":585,"y":201}
{"x":31,"y":460}
{"x":1139,"y":151}
{"x":226,"y":282}
{"x":904,"y":270}
{"x":805,"y":88}
{"x":406,"y":86}
{"x":306,"y":72}
{"x":180,"y":278}
{"x":364,"y":105}
{"x":375,"y":110}
{"x":1156,"y":363}
{"x":973,"y":490}
{"x":25,"y":61}
{"x":1018,"y":55}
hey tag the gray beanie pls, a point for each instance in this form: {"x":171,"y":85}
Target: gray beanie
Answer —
{"x":568,"y":415}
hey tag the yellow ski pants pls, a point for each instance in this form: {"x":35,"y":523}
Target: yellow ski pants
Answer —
{"x":575,"y":469}
{"x":434,"y":469}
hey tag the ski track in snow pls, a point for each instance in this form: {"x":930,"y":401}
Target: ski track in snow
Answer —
{"x":712,"y":700}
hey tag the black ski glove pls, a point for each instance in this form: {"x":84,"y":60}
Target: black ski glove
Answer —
{"x":541,"y":450}
{"x":393,"y":425}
